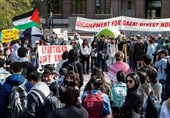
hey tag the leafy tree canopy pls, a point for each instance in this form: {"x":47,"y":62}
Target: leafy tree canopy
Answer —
{"x":11,"y":8}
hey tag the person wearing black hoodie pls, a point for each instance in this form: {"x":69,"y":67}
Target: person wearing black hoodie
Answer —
{"x":73,"y":60}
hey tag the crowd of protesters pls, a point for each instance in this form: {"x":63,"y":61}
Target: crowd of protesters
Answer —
{"x":136,"y":66}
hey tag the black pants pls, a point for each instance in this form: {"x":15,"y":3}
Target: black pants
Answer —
{"x":101,"y":62}
{"x":85,"y":60}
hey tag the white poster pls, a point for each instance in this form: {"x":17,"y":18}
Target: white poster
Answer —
{"x":51,"y":54}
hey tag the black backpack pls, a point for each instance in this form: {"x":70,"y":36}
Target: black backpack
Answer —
{"x":72,"y":67}
{"x":51,"y":103}
{"x":152,"y":108}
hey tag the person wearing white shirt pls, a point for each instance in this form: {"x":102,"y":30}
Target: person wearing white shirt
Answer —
{"x":112,"y":51}
{"x":85,"y":55}
{"x":150,"y":49}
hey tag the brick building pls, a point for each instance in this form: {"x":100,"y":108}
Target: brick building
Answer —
{"x":64,"y":12}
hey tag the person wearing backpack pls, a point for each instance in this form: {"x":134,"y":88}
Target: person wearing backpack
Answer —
{"x":132,"y":107}
{"x":11,"y":83}
{"x":35,"y":97}
{"x":161,"y":64}
{"x":23,"y":57}
{"x":74,"y":64}
{"x":73,"y":107}
{"x":49,"y":78}
{"x":97,"y":73}
{"x":96,"y":102}
{"x":118,"y":91}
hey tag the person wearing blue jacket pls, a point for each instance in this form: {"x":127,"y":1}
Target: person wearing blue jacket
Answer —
{"x":13,"y":80}
{"x":161,"y":65}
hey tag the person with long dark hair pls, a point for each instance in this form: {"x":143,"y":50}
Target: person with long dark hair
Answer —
{"x":72,"y":109}
{"x":85,"y":55}
{"x":133,"y":104}
{"x":98,"y":74}
{"x":94,"y":54}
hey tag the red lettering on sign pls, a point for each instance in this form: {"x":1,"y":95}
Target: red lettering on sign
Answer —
{"x":45,"y":59}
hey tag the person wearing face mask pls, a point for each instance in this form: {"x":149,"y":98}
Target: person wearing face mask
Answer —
{"x":70,"y":80}
{"x":132,"y":106}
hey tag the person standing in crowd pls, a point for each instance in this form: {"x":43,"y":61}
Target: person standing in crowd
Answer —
{"x":161,"y":65}
{"x":119,"y":65}
{"x":72,"y":109}
{"x":73,"y":60}
{"x":105,"y":88}
{"x":101,"y":106}
{"x":118,"y":91}
{"x":150,"y":49}
{"x":2,"y":53}
{"x":23,"y":57}
{"x":34,"y":97}
{"x":25,"y":42}
{"x":165,"y":109}
{"x":98,"y":73}
{"x":15,"y":79}
{"x":70,"y":80}
{"x":122,"y":46}
{"x":131,"y":53}
{"x":47,"y":38}
{"x":146,"y":88}
{"x":73,"y":43}
{"x":94,"y":53}
{"x":138,"y":53}
{"x":7,"y":54}
{"x":34,"y":55}
{"x":160,"y":42}
{"x":85,"y":55}
{"x":60,"y":63}
{"x":112,"y":49}
{"x":48,"y":76}
{"x":14,"y":50}
{"x":3,"y":73}
{"x":133,"y":104}
{"x":101,"y":53}
{"x":155,"y":85}
{"x":53,"y":40}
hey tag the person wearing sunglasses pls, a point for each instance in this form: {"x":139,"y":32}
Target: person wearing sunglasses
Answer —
{"x":132,"y":106}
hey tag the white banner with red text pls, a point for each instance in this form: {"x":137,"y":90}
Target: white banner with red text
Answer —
{"x":123,"y":23}
{"x":51,"y":54}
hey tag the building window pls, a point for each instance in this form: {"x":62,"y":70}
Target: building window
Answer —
{"x":153,"y":9}
{"x":56,"y":6}
{"x":103,"y":6}
{"x":129,"y":5}
{"x":78,"y":6}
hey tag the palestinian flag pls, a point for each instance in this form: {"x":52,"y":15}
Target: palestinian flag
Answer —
{"x":26,"y":20}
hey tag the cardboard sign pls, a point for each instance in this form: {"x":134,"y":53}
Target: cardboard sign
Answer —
{"x":123,"y":23}
{"x":51,"y":54}
{"x":9,"y":35}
